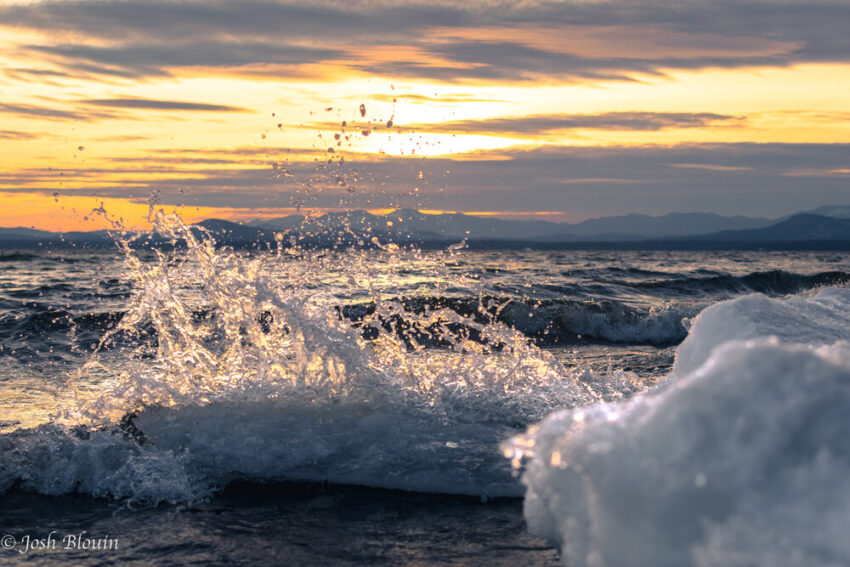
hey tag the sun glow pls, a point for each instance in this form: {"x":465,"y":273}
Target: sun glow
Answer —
{"x":122,"y":131}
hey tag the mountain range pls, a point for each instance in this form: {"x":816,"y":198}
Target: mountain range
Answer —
{"x":827,"y":226}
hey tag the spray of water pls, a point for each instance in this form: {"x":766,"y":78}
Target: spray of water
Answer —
{"x":211,"y":324}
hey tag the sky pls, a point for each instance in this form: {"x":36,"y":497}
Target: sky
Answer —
{"x":555,"y":110}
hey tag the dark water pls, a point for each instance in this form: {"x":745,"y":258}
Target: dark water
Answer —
{"x":285,"y":524}
{"x":355,"y":475}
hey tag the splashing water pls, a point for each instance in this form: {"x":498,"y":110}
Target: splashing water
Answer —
{"x":292,"y":364}
{"x":231,"y":326}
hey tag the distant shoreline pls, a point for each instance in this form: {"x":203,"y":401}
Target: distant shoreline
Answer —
{"x":9,"y":246}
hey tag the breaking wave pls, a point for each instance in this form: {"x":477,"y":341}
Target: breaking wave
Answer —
{"x":243,"y":369}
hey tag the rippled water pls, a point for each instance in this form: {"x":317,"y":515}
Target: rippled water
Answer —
{"x":157,"y":380}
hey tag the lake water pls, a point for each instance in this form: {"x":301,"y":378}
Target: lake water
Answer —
{"x":323,"y":407}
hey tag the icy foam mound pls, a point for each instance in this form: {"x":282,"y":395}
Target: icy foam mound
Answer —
{"x":744,"y":460}
{"x":818,"y":320}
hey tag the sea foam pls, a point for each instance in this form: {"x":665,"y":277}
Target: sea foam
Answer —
{"x":741,"y":457}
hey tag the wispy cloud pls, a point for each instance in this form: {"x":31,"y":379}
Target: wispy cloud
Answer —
{"x":438,"y":99}
{"x":49,"y":113}
{"x":756,"y":179}
{"x":543,"y":124}
{"x":161,"y":59}
{"x":15,"y":135}
{"x":122,"y":138}
{"x":612,"y":39}
{"x":143,"y":103}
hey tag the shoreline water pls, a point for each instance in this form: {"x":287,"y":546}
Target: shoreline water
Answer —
{"x":291,"y":523}
{"x":232,"y":405}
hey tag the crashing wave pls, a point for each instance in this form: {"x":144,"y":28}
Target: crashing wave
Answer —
{"x":252,"y":374}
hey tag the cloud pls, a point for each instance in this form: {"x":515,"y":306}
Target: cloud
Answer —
{"x":483,"y":40}
{"x":88,"y":115}
{"x":142,"y":103}
{"x":753,"y":179}
{"x":542,"y":124}
{"x":29,"y":111}
{"x":122,"y":138}
{"x":444,"y":99}
{"x":146,"y":59}
{"x":14,"y":135}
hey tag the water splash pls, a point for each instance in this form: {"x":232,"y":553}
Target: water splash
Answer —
{"x":230,"y":325}
{"x":243,"y":365}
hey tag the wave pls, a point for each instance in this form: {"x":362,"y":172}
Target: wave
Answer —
{"x":547,"y":322}
{"x":269,"y":383}
{"x":191,"y":451}
{"x":56,"y":334}
{"x":18,"y":257}
{"x":741,"y":457}
{"x":369,"y":428}
{"x":775,"y":282}
{"x":614,"y":283}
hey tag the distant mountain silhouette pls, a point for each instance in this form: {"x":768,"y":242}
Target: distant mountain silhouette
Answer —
{"x":457,"y":225}
{"x":673,"y":224}
{"x":412,"y":222}
{"x":363,"y":229}
{"x":798,"y":228}
{"x":835,"y":211}
{"x":23,"y":233}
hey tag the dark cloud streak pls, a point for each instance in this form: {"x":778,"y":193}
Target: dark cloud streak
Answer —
{"x":148,"y":104}
{"x":14,"y":135}
{"x":754,"y":179}
{"x":542,"y":124}
{"x":142,"y":59}
{"x":29,"y":111}
{"x":151,"y":38}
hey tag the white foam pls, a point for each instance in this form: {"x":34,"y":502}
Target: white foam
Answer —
{"x":810,"y":319}
{"x":743,"y":458}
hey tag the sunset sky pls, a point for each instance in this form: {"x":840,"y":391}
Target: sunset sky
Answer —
{"x":559,"y":110}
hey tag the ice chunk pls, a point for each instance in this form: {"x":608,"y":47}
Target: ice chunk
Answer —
{"x":742,"y":459}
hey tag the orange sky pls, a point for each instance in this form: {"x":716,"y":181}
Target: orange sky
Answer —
{"x":109,"y":102}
